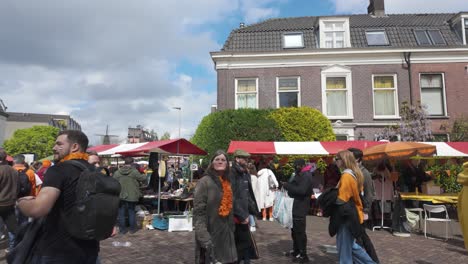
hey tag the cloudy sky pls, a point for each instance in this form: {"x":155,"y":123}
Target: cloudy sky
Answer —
{"x":125,"y":63}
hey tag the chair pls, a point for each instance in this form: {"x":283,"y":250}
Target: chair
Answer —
{"x":436,"y":209}
{"x":418,"y":211}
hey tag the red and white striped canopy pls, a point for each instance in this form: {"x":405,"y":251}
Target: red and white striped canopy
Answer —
{"x":171,"y":146}
{"x":444,"y":149}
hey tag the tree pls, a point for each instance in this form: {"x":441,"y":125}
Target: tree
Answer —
{"x":37,"y":139}
{"x":303,"y":124}
{"x":153,"y":134}
{"x":165,"y":136}
{"x":414,"y":125}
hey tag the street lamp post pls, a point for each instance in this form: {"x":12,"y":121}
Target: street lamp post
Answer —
{"x":180,"y":110}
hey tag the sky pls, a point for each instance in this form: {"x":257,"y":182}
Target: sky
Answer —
{"x":126,"y":63}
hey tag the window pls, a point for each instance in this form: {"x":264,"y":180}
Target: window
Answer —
{"x":293,"y":40}
{"x":334,"y":33}
{"x":429,"y":37}
{"x":288,"y":91}
{"x":336,"y":93}
{"x":432,"y":93}
{"x":385,"y":96}
{"x":246,"y":93}
{"x":376,"y":38}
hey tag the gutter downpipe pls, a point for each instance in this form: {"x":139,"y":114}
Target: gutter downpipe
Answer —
{"x":407,"y":56}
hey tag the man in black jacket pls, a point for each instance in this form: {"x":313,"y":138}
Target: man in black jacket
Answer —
{"x":300,"y":188}
{"x":242,"y":190}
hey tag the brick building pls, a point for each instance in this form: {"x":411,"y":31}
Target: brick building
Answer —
{"x":356,"y":69}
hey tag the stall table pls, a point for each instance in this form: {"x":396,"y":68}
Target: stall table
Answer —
{"x":444,"y":198}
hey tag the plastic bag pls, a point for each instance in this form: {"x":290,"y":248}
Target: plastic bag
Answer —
{"x":282,"y":211}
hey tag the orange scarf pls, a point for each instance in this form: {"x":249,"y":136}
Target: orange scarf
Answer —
{"x":225,"y":206}
{"x":76,"y":155}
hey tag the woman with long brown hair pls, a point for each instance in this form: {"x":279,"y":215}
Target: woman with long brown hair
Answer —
{"x":212,"y":214}
{"x":349,"y":189}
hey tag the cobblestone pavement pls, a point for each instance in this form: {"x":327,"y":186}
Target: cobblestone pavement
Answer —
{"x":152,"y":246}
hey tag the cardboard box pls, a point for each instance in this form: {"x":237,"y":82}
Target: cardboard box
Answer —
{"x":180,"y":223}
{"x":430,"y":188}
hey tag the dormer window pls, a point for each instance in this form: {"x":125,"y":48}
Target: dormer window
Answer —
{"x":429,"y":37}
{"x":376,"y":38}
{"x":334,"y":33}
{"x":293,"y":40}
{"x":466,"y":30}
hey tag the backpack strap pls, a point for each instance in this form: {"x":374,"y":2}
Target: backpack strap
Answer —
{"x":78,"y":164}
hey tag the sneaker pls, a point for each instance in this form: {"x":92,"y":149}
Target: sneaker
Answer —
{"x":133,"y":231}
{"x":264,"y":219}
{"x":301,"y":259}
{"x":253,"y":229}
{"x":7,"y":251}
{"x":3,"y":236}
{"x":401,"y":234}
{"x":271,"y":219}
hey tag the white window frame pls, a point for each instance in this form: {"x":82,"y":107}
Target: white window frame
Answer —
{"x":337,"y":71}
{"x":346,"y":36}
{"x":464,"y":29}
{"x":444,"y":95}
{"x":395,"y":97}
{"x":298,"y":89}
{"x":285,"y":35}
{"x":236,"y":93}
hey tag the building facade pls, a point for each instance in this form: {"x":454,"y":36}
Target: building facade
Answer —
{"x":17,"y":121}
{"x":356,"y":69}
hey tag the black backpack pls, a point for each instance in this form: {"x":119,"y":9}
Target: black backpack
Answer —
{"x":24,"y":185}
{"x":94,"y":213}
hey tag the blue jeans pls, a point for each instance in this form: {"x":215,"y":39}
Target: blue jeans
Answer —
{"x":349,"y":251}
{"x":124,"y":208}
{"x":251,"y":220}
{"x":63,"y":259}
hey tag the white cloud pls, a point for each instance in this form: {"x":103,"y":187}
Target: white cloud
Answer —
{"x":402,"y":6}
{"x":257,"y":10}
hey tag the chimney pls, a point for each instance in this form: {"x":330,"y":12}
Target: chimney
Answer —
{"x":376,"y":8}
{"x":241,"y":25}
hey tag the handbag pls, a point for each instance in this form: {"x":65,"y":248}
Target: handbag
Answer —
{"x":253,"y":249}
{"x":271,"y":182}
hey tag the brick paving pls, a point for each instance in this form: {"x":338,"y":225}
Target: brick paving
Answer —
{"x":153,"y":246}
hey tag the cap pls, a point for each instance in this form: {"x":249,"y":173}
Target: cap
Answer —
{"x":241,"y":153}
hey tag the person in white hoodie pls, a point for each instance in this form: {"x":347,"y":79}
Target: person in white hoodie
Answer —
{"x":266,"y":188}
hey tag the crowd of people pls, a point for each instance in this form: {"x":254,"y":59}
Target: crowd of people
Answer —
{"x":230,"y":197}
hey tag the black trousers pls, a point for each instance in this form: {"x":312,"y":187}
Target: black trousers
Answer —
{"x":299,"y":236}
{"x":365,"y":242}
{"x":7,"y":213}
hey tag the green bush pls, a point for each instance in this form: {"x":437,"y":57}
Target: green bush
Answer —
{"x":303,"y":124}
{"x":447,"y":182}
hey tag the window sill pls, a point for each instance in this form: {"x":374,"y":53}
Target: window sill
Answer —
{"x":438,"y":117}
{"x":387,"y":118}
{"x":340,"y":117}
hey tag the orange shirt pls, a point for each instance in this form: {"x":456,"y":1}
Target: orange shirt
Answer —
{"x":348,"y":189}
{"x":31,"y":177}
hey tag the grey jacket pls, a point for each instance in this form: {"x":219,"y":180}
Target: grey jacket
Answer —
{"x":369,"y":189}
{"x":212,"y":230}
{"x":9,"y":185}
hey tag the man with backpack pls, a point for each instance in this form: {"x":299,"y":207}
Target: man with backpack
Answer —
{"x":27,"y":182}
{"x":71,"y":202}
